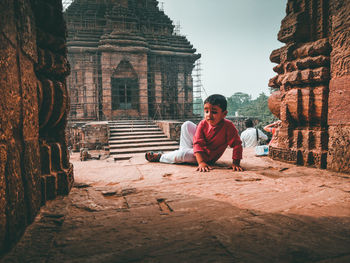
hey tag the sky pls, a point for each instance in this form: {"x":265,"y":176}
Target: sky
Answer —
{"x":235,"y":39}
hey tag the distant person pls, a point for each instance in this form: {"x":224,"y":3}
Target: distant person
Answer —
{"x":204,"y":144}
{"x":250,"y":136}
{"x":273,"y":128}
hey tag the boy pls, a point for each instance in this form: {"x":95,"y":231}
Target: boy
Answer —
{"x":204,"y":144}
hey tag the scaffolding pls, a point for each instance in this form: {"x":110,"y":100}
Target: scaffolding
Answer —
{"x":151,"y":85}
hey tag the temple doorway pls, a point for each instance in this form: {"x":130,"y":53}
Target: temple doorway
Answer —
{"x":125,"y":92}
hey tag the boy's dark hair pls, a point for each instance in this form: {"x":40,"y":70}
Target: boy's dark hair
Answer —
{"x":248,"y":123}
{"x":218,"y":100}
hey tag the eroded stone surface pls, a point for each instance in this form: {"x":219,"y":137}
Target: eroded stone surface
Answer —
{"x":31,"y":115}
{"x":312,"y":85}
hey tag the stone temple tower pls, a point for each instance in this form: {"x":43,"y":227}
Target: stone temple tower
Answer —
{"x":127,"y":62}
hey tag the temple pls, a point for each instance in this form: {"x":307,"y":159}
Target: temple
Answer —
{"x":127,"y":62}
{"x":312,"y":91}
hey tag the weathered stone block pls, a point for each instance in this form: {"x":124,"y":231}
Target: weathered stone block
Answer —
{"x":8,"y":20}
{"x":23,"y":162}
{"x":31,"y":177}
{"x":339,"y":101}
{"x":313,"y":80}
{"x":45,"y":161}
{"x":172,"y":129}
{"x":10,"y":98}
{"x":30,"y":111}
{"x":64,"y":181}
{"x":91,"y":135}
{"x":56,"y":164}
{"x":338,"y":153}
{"x":16,"y":209}
{"x":3,"y":201}
{"x":281,"y":154}
{"x":51,"y":186}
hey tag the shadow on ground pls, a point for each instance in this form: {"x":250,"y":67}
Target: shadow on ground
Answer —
{"x":132,"y":225}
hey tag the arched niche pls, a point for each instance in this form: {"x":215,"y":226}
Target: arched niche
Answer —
{"x":125,"y":87}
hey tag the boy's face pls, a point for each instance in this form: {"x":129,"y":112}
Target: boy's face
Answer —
{"x":213,"y":114}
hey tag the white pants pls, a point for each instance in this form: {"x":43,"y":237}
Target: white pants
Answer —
{"x":185,"y":153}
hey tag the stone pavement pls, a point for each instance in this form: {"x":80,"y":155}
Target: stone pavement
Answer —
{"x":135,"y":211}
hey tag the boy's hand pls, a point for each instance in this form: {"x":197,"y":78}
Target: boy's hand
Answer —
{"x":236,"y":166}
{"x":203,"y":167}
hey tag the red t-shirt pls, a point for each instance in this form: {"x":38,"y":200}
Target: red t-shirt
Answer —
{"x":213,"y":141}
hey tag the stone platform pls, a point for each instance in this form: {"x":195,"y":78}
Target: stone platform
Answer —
{"x":136,"y":211}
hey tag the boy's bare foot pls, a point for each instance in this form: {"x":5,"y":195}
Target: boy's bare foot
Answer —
{"x":153,"y":156}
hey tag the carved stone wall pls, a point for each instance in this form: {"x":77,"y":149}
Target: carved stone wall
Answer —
{"x":312,"y":93}
{"x":34,"y":162}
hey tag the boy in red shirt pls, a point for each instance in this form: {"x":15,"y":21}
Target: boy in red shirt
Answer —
{"x":204,"y":144}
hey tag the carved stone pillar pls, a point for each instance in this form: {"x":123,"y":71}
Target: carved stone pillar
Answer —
{"x":304,"y":99}
{"x":34,"y":103}
{"x":302,"y":85}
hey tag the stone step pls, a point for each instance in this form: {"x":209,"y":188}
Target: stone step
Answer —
{"x":138,"y":137}
{"x":122,"y":126}
{"x":123,"y":134}
{"x":144,"y":149}
{"x":135,"y":124}
{"x":118,"y":130}
{"x":142,"y":144}
{"x":136,"y":140}
{"x":130,"y":122}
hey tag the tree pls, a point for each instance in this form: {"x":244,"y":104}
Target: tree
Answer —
{"x":247,"y":107}
{"x":237,"y":101}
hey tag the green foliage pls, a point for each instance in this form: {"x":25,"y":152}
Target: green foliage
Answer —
{"x":243,"y":104}
{"x":237,"y":101}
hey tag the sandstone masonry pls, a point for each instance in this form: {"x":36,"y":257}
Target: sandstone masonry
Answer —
{"x":312,"y":88}
{"x":34,"y":164}
{"x":127,"y":62}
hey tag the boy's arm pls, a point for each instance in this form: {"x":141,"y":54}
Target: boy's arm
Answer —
{"x":202,"y":165}
{"x":199,"y":146}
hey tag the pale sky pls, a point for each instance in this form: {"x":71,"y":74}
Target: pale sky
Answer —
{"x":235,"y":38}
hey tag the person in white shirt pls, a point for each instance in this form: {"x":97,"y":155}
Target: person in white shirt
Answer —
{"x":251,"y":136}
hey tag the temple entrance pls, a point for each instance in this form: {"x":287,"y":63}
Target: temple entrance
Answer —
{"x":125,"y":92}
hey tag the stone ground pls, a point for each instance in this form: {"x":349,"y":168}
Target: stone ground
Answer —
{"x":135,"y":211}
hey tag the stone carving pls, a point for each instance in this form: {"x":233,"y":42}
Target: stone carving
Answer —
{"x":34,"y":161}
{"x":313,"y":70}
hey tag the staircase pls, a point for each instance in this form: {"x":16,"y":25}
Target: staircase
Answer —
{"x":129,"y":137}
